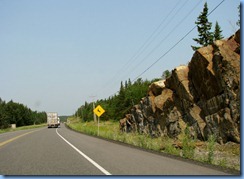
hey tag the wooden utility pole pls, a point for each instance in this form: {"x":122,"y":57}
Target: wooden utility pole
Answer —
{"x":94,"y":115}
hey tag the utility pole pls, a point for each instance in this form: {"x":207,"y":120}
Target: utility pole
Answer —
{"x":77,"y":113}
{"x":81,"y":108}
{"x":94,"y":115}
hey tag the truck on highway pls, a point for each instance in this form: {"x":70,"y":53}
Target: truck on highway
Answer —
{"x":53,"y":119}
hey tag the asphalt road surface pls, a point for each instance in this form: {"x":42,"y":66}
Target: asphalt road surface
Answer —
{"x":62,"y":151}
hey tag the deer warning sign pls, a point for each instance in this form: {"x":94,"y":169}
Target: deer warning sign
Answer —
{"x":99,"y":110}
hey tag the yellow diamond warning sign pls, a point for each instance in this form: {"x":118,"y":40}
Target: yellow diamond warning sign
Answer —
{"x":99,"y":110}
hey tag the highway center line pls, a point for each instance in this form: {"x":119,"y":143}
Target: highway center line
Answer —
{"x":85,"y":156}
{"x":15,"y":138}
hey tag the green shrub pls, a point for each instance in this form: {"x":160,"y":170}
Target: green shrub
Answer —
{"x":210,"y":147}
{"x":188,"y":145}
{"x":167,"y":144}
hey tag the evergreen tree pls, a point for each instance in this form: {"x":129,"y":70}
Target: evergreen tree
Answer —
{"x":129,"y":82}
{"x":203,"y":27}
{"x":126,"y":84}
{"x":217,"y":32}
{"x":122,"y":88}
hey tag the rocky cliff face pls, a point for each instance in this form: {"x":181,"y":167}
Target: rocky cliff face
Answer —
{"x":205,"y":95}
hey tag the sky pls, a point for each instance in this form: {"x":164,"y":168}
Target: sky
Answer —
{"x":57,"y":54}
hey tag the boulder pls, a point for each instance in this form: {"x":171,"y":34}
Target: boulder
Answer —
{"x":156,"y":88}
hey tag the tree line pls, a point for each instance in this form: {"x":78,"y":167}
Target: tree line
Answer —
{"x":119,"y":104}
{"x":16,"y":113}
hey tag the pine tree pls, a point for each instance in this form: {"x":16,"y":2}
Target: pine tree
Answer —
{"x":217,"y":32}
{"x":129,"y":82}
{"x":203,"y":27}
{"x":126,"y":84}
{"x":122,"y":88}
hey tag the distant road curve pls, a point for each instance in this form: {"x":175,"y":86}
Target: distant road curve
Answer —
{"x":65,"y":152}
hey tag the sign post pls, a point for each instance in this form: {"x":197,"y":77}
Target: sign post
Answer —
{"x":98,"y":111}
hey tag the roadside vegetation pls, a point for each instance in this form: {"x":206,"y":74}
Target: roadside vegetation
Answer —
{"x":16,"y":113}
{"x":22,"y":128}
{"x":129,"y":94}
{"x":227,"y":155}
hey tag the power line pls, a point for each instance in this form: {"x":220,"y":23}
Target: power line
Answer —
{"x":166,"y":36}
{"x":171,"y":48}
{"x":166,"y":21}
{"x":146,"y":43}
{"x":150,"y":42}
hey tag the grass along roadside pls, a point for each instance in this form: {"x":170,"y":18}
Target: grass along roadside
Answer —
{"x":227,"y":155}
{"x":22,"y":128}
{"x":110,"y":130}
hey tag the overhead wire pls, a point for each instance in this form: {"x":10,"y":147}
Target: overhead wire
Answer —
{"x":166,"y":36}
{"x":172,"y":47}
{"x":151,"y":38}
{"x":142,"y":48}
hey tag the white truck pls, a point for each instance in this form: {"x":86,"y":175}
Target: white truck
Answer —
{"x":53,"y":119}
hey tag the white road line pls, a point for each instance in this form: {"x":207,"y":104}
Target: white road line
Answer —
{"x":85,"y":156}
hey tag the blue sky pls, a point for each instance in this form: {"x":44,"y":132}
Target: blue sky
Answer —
{"x":56,"y":54}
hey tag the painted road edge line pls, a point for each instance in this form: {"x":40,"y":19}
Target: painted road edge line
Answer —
{"x":85,"y":156}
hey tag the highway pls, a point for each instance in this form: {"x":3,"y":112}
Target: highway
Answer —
{"x":62,"y":151}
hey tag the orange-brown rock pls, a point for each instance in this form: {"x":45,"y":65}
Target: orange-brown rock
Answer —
{"x":205,"y":95}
